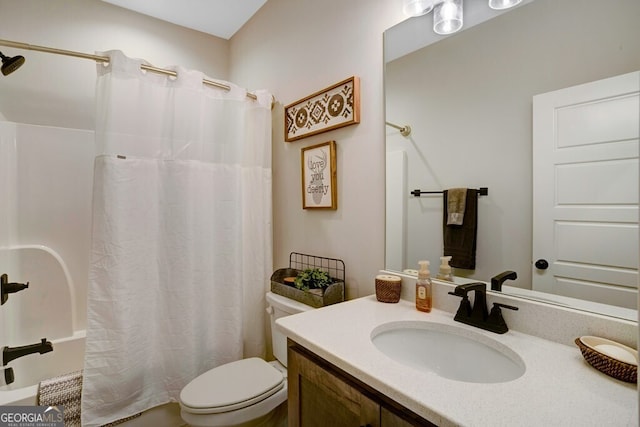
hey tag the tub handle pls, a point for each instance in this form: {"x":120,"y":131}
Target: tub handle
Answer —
{"x":7,"y":288}
{"x":8,"y":375}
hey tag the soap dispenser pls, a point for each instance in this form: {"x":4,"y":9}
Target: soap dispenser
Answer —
{"x":445,"y":269}
{"x":423,"y":288}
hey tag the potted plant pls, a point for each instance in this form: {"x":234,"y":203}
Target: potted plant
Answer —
{"x":312,"y":278}
{"x":311,"y":286}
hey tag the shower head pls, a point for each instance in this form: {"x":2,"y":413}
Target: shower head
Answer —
{"x":9,"y":65}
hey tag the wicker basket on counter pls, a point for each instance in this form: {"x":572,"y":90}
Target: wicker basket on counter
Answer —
{"x":388,"y":288}
{"x":606,"y":364}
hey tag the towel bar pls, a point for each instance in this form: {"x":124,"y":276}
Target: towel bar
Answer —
{"x":482,"y":191}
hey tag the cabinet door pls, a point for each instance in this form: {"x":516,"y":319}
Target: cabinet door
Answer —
{"x":317,"y":397}
{"x":389,"y":419}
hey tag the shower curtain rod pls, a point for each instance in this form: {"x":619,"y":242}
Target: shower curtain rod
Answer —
{"x":98,"y":58}
{"x":404,"y":130}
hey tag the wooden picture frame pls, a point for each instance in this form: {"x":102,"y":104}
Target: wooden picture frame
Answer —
{"x":331,"y":108}
{"x":319,"y":190}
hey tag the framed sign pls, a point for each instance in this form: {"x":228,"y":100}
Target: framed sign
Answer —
{"x":319,"y":189}
{"x":330,"y":108}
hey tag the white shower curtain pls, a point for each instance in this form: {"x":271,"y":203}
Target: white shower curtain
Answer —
{"x":181,"y":245}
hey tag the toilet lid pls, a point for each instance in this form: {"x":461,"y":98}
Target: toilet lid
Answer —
{"x":232,"y":386}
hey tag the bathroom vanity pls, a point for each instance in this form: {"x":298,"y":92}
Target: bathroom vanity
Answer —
{"x":330,"y":396}
{"x":337,"y":373}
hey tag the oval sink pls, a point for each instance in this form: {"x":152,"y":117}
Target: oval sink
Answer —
{"x":448,"y":351}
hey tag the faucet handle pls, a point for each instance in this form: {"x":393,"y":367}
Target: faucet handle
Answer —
{"x":499,"y":305}
{"x":8,"y":375}
{"x":496,"y":322}
{"x":464,"y":309}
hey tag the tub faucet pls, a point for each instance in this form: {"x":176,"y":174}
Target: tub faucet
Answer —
{"x":497,"y":281}
{"x":11,"y":353}
{"x":478,"y":315}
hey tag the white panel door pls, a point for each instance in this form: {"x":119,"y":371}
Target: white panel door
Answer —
{"x":585,"y":191}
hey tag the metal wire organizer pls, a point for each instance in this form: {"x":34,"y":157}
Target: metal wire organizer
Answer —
{"x":282,"y":280}
{"x":334,"y":267}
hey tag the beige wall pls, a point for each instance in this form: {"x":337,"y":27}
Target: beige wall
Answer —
{"x":295,"y":48}
{"x":58,"y":90}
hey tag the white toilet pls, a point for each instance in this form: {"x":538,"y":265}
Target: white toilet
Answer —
{"x":248,"y":392}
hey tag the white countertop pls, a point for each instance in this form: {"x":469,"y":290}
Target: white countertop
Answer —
{"x":558,"y":388}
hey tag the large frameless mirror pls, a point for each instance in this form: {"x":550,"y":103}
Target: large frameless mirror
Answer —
{"x":469,"y":101}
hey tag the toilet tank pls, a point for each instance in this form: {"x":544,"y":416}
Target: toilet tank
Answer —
{"x":277,"y":307}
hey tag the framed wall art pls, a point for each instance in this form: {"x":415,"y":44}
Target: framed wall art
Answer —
{"x":319,"y":190}
{"x":330,"y":108}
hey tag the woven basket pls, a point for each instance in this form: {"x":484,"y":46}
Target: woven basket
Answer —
{"x":388,"y":288}
{"x":613,"y":367}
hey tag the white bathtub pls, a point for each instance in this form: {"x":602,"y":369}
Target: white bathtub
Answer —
{"x":67,"y":356}
{"x":46,"y":310}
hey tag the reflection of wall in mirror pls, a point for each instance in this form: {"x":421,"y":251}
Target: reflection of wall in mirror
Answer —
{"x":468,"y":101}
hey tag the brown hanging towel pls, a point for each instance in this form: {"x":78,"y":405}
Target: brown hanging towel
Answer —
{"x":460,"y":240}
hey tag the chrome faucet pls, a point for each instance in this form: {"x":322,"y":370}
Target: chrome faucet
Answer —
{"x":12,"y":353}
{"x":478,"y":315}
{"x":497,"y":281}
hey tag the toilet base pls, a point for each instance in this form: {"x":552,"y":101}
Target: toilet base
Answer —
{"x":275,"y":418}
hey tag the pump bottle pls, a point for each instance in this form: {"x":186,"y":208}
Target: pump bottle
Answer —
{"x":423,"y":288}
{"x":445,"y":269}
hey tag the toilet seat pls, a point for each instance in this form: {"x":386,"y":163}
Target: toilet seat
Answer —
{"x":232,"y":386}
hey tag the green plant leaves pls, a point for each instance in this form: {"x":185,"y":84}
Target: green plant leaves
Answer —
{"x":312,"y":278}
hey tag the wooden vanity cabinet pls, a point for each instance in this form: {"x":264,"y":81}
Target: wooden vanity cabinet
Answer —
{"x":321,"y":395}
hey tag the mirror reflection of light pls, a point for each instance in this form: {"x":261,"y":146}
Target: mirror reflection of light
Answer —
{"x":447,"y":17}
{"x":502,"y":4}
{"x":417,"y":7}
{"x":448,"y":11}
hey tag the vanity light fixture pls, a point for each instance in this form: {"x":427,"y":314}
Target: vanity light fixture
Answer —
{"x":447,"y":14}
